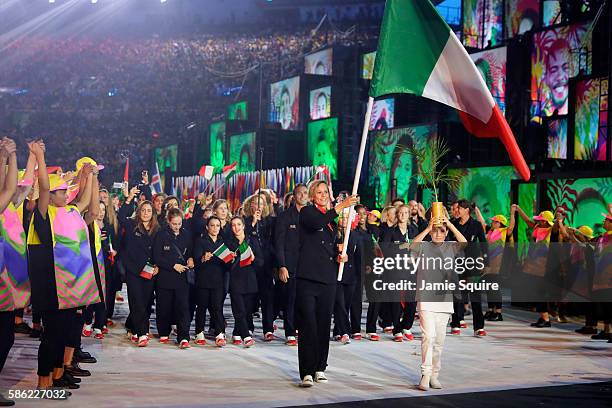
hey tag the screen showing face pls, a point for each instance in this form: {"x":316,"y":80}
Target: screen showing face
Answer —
{"x":521,"y":16}
{"x":591,"y":119}
{"x":285,"y":103}
{"x":166,"y":158}
{"x":557,"y":55}
{"x":482,"y":23}
{"x":557,"y":139}
{"x":488,"y":187}
{"x":323,"y":144}
{"x":367,"y":64}
{"x":492,"y":67}
{"x":392,"y":169}
{"x":237,"y":111}
{"x":319,"y":63}
{"x":320,"y":103}
{"x":584,"y":200}
{"x":383,"y":114}
{"x":217,"y":144}
{"x":242,"y":150}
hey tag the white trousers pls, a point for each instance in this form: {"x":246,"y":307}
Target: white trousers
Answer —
{"x":433,"y":328}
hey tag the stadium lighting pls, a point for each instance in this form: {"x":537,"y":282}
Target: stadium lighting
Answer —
{"x":163,"y":1}
{"x":94,"y":1}
{"x":51,"y":1}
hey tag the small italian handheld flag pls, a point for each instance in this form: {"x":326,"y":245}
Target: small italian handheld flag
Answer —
{"x":228,"y":170}
{"x":246,"y":254}
{"x":224,"y":253}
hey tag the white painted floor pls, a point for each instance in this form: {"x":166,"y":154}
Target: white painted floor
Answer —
{"x":513,"y":355}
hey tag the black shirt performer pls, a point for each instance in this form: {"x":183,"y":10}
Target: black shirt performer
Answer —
{"x":316,"y":281}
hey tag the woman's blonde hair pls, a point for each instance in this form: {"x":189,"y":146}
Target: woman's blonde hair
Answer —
{"x":385,"y":213}
{"x":312,"y":188}
{"x":265,"y":208}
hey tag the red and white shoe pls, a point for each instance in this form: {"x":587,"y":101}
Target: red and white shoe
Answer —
{"x":345,"y":339}
{"x":480,"y":333}
{"x":408,"y":335}
{"x":134,"y":338}
{"x":200,"y":340}
{"x":372,"y":336}
{"x":164,"y":339}
{"x":220,"y":342}
{"x":291,"y":341}
{"x":268,"y":336}
{"x":398,"y":338}
{"x":237,"y":340}
{"x":87,"y":331}
{"x":119,"y":298}
{"x":463,"y":324}
{"x":110,"y":323}
{"x":248,"y":342}
{"x":456,"y":331}
{"x":357,"y":336}
{"x":184,"y":344}
{"x":143,"y":341}
{"x":388,"y":329}
{"x":105,"y":330}
{"x":98,"y":334}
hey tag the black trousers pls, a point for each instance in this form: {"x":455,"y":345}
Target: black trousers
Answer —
{"x":74,"y":327}
{"x":53,"y":339}
{"x":243,"y":306}
{"x":265,"y":286}
{"x":172,"y":305}
{"x":477,"y":316}
{"x":287,"y":291}
{"x":342,"y":324}
{"x":356,"y":308}
{"x":403,"y":316}
{"x":7,"y":335}
{"x":314,"y":304}
{"x":97,"y":314}
{"x":109,"y":296}
{"x":372,"y":316}
{"x":140,"y":292}
{"x":209,"y":298}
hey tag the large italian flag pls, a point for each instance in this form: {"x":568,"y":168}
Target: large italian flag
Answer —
{"x":419,"y":54}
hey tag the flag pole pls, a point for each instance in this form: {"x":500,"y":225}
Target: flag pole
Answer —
{"x":362,"y":146}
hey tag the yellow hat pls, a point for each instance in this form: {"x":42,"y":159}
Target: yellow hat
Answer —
{"x":83,"y":160}
{"x":586,"y":231}
{"x":57,"y":183}
{"x":375,"y":213}
{"x":501,"y":219}
{"x":545,"y":216}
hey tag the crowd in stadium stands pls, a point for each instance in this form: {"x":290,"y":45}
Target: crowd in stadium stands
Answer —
{"x":109,"y":97}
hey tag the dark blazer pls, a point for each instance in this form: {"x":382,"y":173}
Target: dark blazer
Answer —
{"x":138,"y":246}
{"x":395,"y":235}
{"x":351,"y":267}
{"x":318,"y":251}
{"x":243,"y":280}
{"x":262,"y":232}
{"x":477,"y":241}
{"x":287,"y":240}
{"x":209,"y":274}
{"x":165,"y":256}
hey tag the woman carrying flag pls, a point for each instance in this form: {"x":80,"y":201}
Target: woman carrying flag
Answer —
{"x":243,"y":281}
{"x":212,"y":258}
{"x":317,"y":280}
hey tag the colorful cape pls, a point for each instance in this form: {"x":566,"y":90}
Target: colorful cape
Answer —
{"x":74,"y":274}
{"x":14,"y":279}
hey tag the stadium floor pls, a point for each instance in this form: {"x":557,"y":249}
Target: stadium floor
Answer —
{"x":506,"y":368}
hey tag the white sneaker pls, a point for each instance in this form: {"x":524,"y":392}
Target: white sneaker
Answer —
{"x":307,"y":381}
{"x":320,"y":377}
{"x":345,"y":339}
{"x":434,"y":383}
{"x":200,"y":336}
{"x":424,"y":383}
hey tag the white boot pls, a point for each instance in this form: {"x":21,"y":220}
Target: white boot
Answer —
{"x":434,"y":383}
{"x":424,"y":383}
